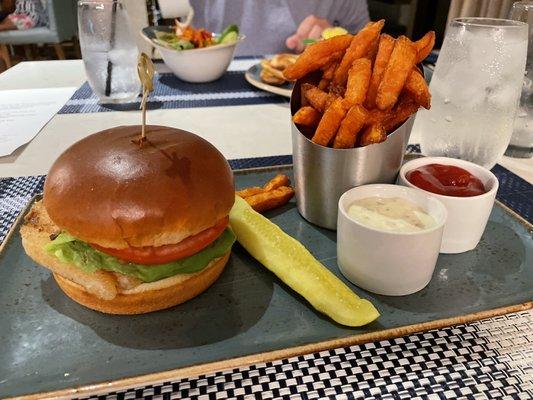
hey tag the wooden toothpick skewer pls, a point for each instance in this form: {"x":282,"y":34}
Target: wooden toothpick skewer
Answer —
{"x":145,"y":69}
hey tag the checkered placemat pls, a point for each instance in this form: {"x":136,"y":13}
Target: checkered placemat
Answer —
{"x":170,"y":92}
{"x":15,"y":193}
{"x":489,"y":359}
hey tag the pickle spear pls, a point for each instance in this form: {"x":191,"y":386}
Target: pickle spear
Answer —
{"x":296,"y":266}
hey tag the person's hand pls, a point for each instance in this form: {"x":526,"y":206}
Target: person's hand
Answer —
{"x":310,"y":28}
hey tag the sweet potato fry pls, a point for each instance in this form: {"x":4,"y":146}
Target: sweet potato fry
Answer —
{"x":268,"y":200}
{"x":401,"y":62}
{"x":359,"y":47}
{"x":376,"y":115}
{"x":276,"y":182}
{"x":399,"y":114}
{"x":350,"y":126}
{"x":317,"y":98}
{"x":424,"y":46}
{"x":303,"y":98}
{"x":358,"y":81}
{"x":391,"y":119}
{"x":330,"y":122}
{"x":251,"y":191}
{"x":316,"y":56}
{"x":373,"y":134}
{"x":323,"y":84}
{"x":307,"y":116}
{"x":417,"y":88}
{"x":373,"y":51}
{"x":329,"y":70}
{"x":386,"y":44}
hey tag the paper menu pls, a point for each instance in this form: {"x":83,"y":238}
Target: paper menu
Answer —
{"x":23,"y":113}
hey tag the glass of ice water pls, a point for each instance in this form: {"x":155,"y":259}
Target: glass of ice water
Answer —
{"x":521,"y":144}
{"x":475,"y":90}
{"x":108,"y":50}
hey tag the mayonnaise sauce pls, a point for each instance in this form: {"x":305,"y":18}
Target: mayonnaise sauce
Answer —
{"x":390,"y":214}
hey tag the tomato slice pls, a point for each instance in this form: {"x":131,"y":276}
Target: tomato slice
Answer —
{"x":151,"y":255}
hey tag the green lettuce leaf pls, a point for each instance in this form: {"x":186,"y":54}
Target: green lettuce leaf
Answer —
{"x":70,"y":250}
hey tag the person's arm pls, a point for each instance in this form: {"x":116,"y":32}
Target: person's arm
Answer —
{"x":310,"y":28}
{"x":351,"y":15}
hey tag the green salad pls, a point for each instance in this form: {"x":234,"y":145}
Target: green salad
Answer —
{"x":185,"y":38}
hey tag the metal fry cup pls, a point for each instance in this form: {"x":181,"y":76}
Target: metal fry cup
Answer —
{"x":323,"y":174}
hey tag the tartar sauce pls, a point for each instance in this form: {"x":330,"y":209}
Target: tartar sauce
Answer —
{"x":390,"y":214}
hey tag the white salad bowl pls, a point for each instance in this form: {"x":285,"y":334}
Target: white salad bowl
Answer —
{"x":467,"y":216}
{"x":195,"y":65}
{"x":384,"y":262}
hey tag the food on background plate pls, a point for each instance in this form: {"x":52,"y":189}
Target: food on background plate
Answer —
{"x":447,"y":180}
{"x":296,"y":267}
{"x":368,"y":70}
{"x":333,"y":31}
{"x":273,"y":194}
{"x":393,"y":214}
{"x":187,"y":37}
{"x":129,"y":229}
{"x":272,"y":69}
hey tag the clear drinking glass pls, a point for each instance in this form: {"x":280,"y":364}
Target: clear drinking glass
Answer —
{"x":108,"y":50}
{"x":521,"y":144}
{"x":475,"y":90}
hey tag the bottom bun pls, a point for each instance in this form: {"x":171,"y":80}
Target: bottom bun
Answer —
{"x":144,"y":301}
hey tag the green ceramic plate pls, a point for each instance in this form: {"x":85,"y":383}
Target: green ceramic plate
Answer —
{"x":49,"y":343}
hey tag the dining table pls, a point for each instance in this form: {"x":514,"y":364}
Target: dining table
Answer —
{"x":483,"y":359}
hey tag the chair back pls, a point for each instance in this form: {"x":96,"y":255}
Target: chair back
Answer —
{"x":62,"y":18}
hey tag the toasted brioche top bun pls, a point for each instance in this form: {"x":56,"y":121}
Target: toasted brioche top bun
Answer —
{"x":107,"y":190}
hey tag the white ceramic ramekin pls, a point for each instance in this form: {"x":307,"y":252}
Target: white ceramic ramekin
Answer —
{"x":383,"y":262}
{"x":467,"y":216}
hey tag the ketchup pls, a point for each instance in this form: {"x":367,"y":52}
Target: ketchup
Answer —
{"x":447,"y":180}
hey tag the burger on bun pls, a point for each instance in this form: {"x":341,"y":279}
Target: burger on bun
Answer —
{"x":130,"y":228}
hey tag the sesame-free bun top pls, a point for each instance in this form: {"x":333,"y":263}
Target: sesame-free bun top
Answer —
{"x":108,"y":190}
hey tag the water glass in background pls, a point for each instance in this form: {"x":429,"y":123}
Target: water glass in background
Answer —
{"x":475,"y":90}
{"x":108,"y":50}
{"x":522,"y":139}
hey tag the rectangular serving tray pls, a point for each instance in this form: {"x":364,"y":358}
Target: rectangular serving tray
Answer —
{"x":48,"y":343}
